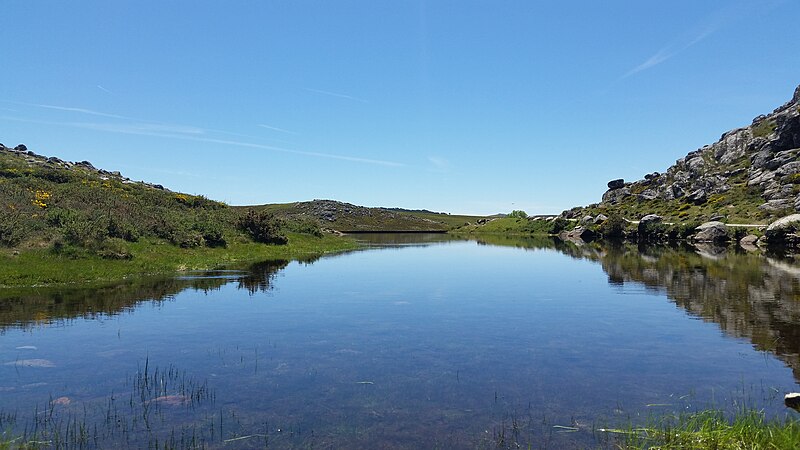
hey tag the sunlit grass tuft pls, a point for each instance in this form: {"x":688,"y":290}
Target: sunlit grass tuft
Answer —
{"x":710,"y":429}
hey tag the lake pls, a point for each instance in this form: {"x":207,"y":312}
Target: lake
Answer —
{"x":419,"y":341}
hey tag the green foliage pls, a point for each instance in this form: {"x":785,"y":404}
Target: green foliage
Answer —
{"x":518,"y":214}
{"x":613,"y":227}
{"x":304,"y":226}
{"x":262,"y":227}
{"x":558,"y":225}
{"x":711,"y":430}
{"x":764,"y":128}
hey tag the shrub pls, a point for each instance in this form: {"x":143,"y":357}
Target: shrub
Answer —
{"x":12,"y":229}
{"x":613,"y":227}
{"x":262,"y":227}
{"x":518,"y":214}
{"x":212,"y":233}
{"x":113,"y":249}
{"x":304,"y":226}
{"x":558,"y":225}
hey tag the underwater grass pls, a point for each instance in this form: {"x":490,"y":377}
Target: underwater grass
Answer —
{"x":710,"y":430}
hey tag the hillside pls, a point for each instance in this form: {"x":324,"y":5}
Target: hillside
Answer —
{"x":64,"y":222}
{"x":750,"y":175}
{"x":345,"y":217}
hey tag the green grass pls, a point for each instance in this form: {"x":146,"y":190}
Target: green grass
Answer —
{"x":511,"y":226}
{"x":40,"y":267}
{"x":764,"y":128}
{"x":351,"y":218}
{"x":710,"y":430}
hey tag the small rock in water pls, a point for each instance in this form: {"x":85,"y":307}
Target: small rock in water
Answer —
{"x":792,"y":400}
{"x":63,"y":401}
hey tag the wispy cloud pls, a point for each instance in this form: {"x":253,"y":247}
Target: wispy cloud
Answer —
{"x":270,"y":127}
{"x":439,"y":164}
{"x":139,"y":128}
{"x":336,"y":94}
{"x":197,"y":135}
{"x":699,"y":33}
{"x":104,"y":89}
{"x":76,"y":110}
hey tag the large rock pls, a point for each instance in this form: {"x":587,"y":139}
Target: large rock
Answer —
{"x":778,"y":231}
{"x":616,"y":184}
{"x":711,"y":232}
{"x":580,"y":233}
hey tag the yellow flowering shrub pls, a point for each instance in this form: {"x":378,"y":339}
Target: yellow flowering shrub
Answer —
{"x":40,"y":198}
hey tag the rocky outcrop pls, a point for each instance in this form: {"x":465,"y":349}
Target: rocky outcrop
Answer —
{"x":33,"y":159}
{"x":762,"y":159}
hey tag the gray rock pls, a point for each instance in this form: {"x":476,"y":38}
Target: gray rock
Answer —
{"x":711,"y":232}
{"x":651,"y":218}
{"x":600,"y":218}
{"x":792,"y":399}
{"x":648,"y":194}
{"x":21,"y":148}
{"x":783,"y":223}
{"x":616,"y":184}
{"x":614,"y":196}
{"x":776,"y":206}
{"x":698,"y":196}
{"x":587,"y":220}
{"x":780,"y":230}
{"x":749,"y":242}
{"x":581,"y":233}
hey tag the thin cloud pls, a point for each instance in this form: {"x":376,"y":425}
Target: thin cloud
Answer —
{"x":140,"y":128}
{"x":187,"y":134}
{"x":270,"y":127}
{"x":77,"y":110}
{"x":104,"y":89}
{"x":439,"y":164}
{"x":335,"y":94}
{"x":711,"y":25}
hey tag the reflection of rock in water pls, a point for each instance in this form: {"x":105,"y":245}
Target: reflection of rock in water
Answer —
{"x":259,"y":277}
{"x":747,"y":295}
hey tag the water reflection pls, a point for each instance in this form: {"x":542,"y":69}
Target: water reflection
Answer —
{"x":444,"y":343}
{"x":748,"y":295}
{"x":28,"y":307}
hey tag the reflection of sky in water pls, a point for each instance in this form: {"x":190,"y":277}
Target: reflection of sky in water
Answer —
{"x":444,"y":341}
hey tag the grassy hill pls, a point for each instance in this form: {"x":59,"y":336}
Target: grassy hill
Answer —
{"x":345,"y":217}
{"x":71,"y":222}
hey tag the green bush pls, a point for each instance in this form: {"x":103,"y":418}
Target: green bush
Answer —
{"x":304,"y":226}
{"x":518,"y":214}
{"x":613,"y":227}
{"x":263,"y":227}
{"x":558,"y":225}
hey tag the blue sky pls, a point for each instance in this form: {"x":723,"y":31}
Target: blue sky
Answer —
{"x":459,"y":106}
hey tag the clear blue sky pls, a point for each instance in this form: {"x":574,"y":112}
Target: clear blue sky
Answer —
{"x":458,"y":106}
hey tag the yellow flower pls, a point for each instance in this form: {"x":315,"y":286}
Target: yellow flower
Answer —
{"x":40,"y":197}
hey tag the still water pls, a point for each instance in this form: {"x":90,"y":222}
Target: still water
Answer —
{"x":418,"y":342}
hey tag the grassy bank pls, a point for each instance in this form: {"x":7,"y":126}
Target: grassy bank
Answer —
{"x":710,"y":430}
{"x":37,"y":267}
